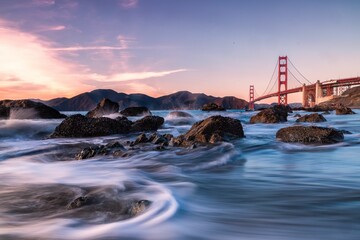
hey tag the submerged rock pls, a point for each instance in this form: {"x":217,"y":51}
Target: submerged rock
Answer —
{"x":27,"y":109}
{"x":309,"y":135}
{"x":211,"y":130}
{"x":104,"y":107}
{"x":275,"y":114}
{"x":212,"y":107}
{"x":343,"y":110}
{"x":180,"y":114}
{"x":314,"y":117}
{"x":138,"y":207}
{"x":180,"y":118}
{"x":135,"y":111}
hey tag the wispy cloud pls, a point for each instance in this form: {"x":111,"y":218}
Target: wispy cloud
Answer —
{"x":127,"y":4}
{"x":119,"y":77}
{"x":38,"y":70}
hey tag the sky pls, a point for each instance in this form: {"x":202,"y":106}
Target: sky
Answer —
{"x":61,"y":48}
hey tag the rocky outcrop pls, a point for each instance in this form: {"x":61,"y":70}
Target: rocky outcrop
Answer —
{"x":212,"y":107}
{"x":309,"y":135}
{"x":342,"y":110}
{"x":104,"y":107}
{"x":27,"y":109}
{"x":135,"y":111}
{"x":315,"y":117}
{"x":275,"y":114}
{"x":211,"y":130}
{"x":81,"y":126}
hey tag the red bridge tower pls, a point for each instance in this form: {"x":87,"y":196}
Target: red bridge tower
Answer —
{"x":282,"y":80}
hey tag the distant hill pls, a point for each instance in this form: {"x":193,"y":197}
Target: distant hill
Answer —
{"x":179,"y":100}
{"x":350,"y":98}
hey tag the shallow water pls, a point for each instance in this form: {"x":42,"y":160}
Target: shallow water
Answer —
{"x":252,"y":188}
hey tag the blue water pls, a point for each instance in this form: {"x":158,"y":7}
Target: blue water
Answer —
{"x":252,"y":188}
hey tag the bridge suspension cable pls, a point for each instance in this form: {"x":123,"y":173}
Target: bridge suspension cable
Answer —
{"x":295,"y":77}
{"x":271,"y":79}
{"x":299,"y":71}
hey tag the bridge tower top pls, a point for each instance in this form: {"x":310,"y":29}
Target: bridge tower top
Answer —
{"x":282,"y":79}
{"x":251,"y":98}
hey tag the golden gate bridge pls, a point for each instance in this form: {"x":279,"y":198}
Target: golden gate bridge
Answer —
{"x":312,"y":92}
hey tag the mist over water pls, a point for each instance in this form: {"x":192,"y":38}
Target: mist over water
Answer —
{"x":251,"y":188}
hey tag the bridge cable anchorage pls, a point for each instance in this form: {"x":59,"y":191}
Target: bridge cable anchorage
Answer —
{"x":299,"y":71}
{"x":271,"y":78}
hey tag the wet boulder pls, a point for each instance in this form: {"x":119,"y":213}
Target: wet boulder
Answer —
{"x":212,"y":107}
{"x":314,"y":117}
{"x":275,"y":114}
{"x":343,"y":110}
{"x":104,"y":107}
{"x":309,"y":135}
{"x":81,"y":126}
{"x":135,"y":111}
{"x":297,"y":115}
{"x":27,"y":109}
{"x":148,"y":123}
{"x":211,"y":130}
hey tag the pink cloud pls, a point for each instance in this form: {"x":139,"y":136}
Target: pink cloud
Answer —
{"x":86,"y":48}
{"x":127,"y":4}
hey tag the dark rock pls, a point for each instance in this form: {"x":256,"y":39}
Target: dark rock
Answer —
{"x":314,"y":117}
{"x":343,"y":110}
{"x":168,"y":136}
{"x":27,"y":109}
{"x":159,"y":139}
{"x":104,"y":107}
{"x":211,"y":130}
{"x":93,"y":151}
{"x":141,"y":139}
{"x":297,"y":115}
{"x":212,"y":107}
{"x":148,"y":123}
{"x":180,"y":114}
{"x":135,"y":111}
{"x":309,"y":135}
{"x":79,"y":202}
{"x":81,"y":126}
{"x":274,"y":114}
{"x":326,"y":113}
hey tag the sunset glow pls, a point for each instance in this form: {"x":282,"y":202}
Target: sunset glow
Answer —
{"x":55,"y":48}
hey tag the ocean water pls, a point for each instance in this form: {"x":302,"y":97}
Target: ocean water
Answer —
{"x":251,"y":188}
